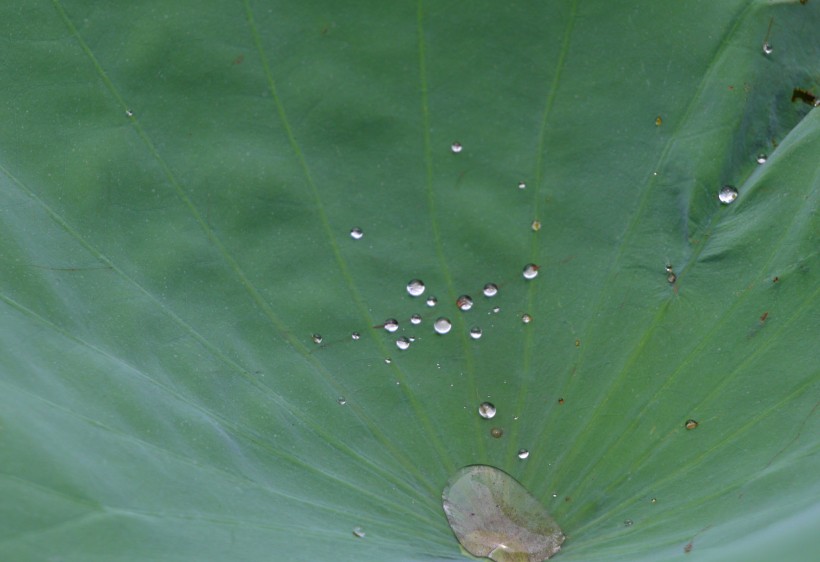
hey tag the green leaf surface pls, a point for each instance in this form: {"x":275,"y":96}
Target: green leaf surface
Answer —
{"x":177,"y":185}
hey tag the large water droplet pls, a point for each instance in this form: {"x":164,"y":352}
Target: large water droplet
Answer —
{"x":415,"y":288}
{"x":486,"y":410}
{"x":442,"y":325}
{"x":391,"y":325}
{"x":456,"y":147}
{"x":358,"y":532}
{"x":767,"y":48}
{"x":464,"y":302}
{"x":490,"y":290}
{"x":356,"y":233}
{"x":494,"y":516}
{"x":415,"y":319}
{"x":761,"y":158}
{"x":523,"y":454}
{"x":317,"y":338}
{"x":531,"y":271}
{"x":475,"y":332}
{"x":432,"y":301}
{"x":526,"y":318}
{"x":403,"y":343}
{"x":727,"y":194}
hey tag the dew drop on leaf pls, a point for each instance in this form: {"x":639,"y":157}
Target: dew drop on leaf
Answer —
{"x":387,"y":360}
{"x":464,"y":302}
{"x":536,"y":225}
{"x":526,"y":318}
{"x":475,"y":332}
{"x":628,"y":522}
{"x":415,"y":288}
{"x":523,"y":454}
{"x":403,"y":343}
{"x":342,"y":401}
{"x":356,"y":233}
{"x":358,"y":532}
{"x":442,"y":325}
{"x":496,"y":432}
{"x":355,"y":336}
{"x":129,"y":113}
{"x":432,"y":301}
{"x":767,"y":48}
{"x":317,"y":338}
{"x":671,"y":277}
{"x":486,"y":410}
{"x":415,"y":319}
{"x":522,"y":185}
{"x":456,"y":147}
{"x":727,"y":194}
{"x":761,"y":158}
{"x":490,"y":290}
{"x":494,"y":516}
{"x":530,"y":271}
{"x":496,"y":310}
{"x":391,"y":325}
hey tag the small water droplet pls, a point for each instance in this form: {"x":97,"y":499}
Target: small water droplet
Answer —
{"x":486,"y":410}
{"x":690,"y":424}
{"x":767,"y":48}
{"x":317,"y":338}
{"x":456,"y":147}
{"x":432,"y":301}
{"x":669,"y":268}
{"x":653,"y":500}
{"x":403,"y":343}
{"x":535,"y":226}
{"x":387,"y":360}
{"x":496,"y":310}
{"x":727,"y":194}
{"x":356,"y":233}
{"x":355,"y":336}
{"x":496,"y":432}
{"x":490,"y":290}
{"x":522,"y":185}
{"x":358,"y":532}
{"x":415,"y":288}
{"x":628,"y":522}
{"x":442,"y":325}
{"x":391,"y":325}
{"x":415,"y":319}
{"x":761,"y":158}
{"x":129,"y":113}
{"x":555,"y":494}
{"x":671,"y":277}
{"x":342,"y":401}
{"x":531,"y":271}
{"x":464,"y":302}
{"x":658,"y":121}
{"x":523,"y":454}
{"x":475,"y":332}
{"x":526,"y":318}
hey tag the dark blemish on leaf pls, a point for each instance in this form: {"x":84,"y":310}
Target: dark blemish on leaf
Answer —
{"x":496,"y":432}
{"x":799,"y":94}
{"x":560,"y":401}
{"x":690,"y":424}
{"x":764,"y":316}
{"x":688,"y":548}
{"x":776,"y":279}
{"x":239,"y":60}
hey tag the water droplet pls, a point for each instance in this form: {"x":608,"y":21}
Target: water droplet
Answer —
{"x":496,"y":310}
{"x":391,"y":325}
{"x":496,"y":432}
{"x":358,"y":532}
{"x":653,"y":500}
{"x":555,"y":494}
{"x":355,"y":336}
{"x":432,"y":301}
{"x":415,"y":319}
{"x":475,"y":332}
{"x":464,"y":302}
{"x":761,"y":158}
{"x":415,"y":287}
{"x":523,"y":454}
{"x":456,"y":147}
{"x":387,"y":360}
{"x":767,"y":48}
{"x":486,"y":410}
{"x":727,"y":194}
{"x":490,"y":290}
{"x":535,"y":226}
{"x":317,"y":338}
{"x":531,"y":271}
{"x":526,"y":318}
{"x":522,"y":185}
{"x":669,"y":268}
{"x":403,"y":343}
{"x":671,"y":278}
{"x":658,"y":121}
{"x":342,"y":401}
{"x":628,"y":522}
{"x":690,"y":424}
{"x":494,"y":516}
{"x":442,"y":325}
{"x":356,"y":233}
{"x":129,"y":113}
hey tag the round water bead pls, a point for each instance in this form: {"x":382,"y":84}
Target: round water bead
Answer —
{"x":767,"y":48}
{"x":536,"y":225}
{"x":523,"y":454}
{"x":496,"y":432}
{"x":317,"y":338}
{"x":415,"y":319}
{"x":442,"y":325}
{"x":526,"y":318}
{"x":456,"y":147}
{"x":355,"y":336}
{"x":432,"y":301}
{"x":475,"y":332}
{"x":486,"y":410}
{"x":522,"y":185}
{"x":464,"y":302}
{"x":727,"y":194}
{"x":356,"y":233}
{"x":530,"y":271}
{"x":391,"y":325}
{"x":415,"y":288}
{"x":342,"y":401}
{"x":358,"y":532}
{"x":761,"y":158}
{"x":403,"y":343}
{"x":490,"y":290}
